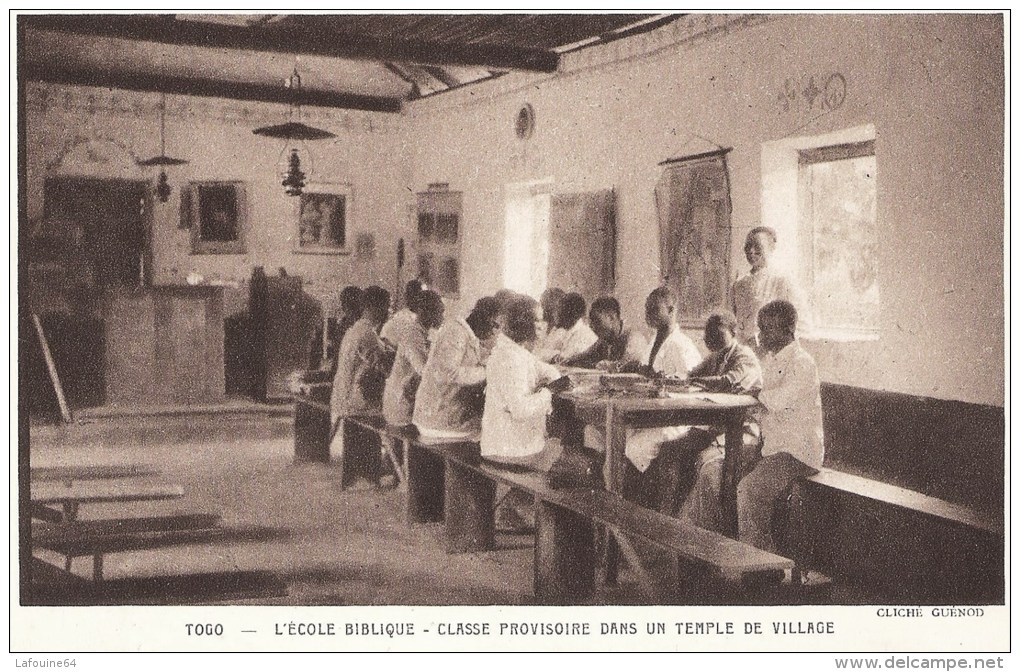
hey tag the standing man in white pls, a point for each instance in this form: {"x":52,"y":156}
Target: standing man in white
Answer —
{"x":762,"y":285}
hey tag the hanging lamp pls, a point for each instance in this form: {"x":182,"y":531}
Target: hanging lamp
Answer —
{"x":294,"y":132}
{"x":162,"y":189}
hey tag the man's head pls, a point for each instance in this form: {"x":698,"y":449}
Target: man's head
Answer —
{"x":720,"y":330}
{"x":604,"y":317}
{"x":777,"y":325}
{"x":504,"y":298}
{"x":520,"y":315}
{"x":350,"y":301}
{"x":552,"y":298}
{"x":482,"y":319}
{"x":375,"y":304}
{"x":571,"y":310}
{"x":430,"y":309}
{"x":661,"y":308}
{"x":759,"y":245}
{"x":412,"y":295}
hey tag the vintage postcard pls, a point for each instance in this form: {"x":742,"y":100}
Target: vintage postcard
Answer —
{"x":558,"y":332}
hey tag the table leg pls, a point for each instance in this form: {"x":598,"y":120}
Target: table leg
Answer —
{"x":731,"y":468}
{"x":616,"y":445}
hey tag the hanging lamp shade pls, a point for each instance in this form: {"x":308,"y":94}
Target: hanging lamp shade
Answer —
{"x":294,"y":130}
{"x":162,"y":161}
{"x":163,"y":183}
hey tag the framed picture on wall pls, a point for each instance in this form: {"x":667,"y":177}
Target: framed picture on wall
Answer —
{"x":324,"y":219}
{"x":216,"y":214}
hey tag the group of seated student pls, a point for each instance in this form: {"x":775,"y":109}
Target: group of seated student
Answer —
{"x":487,"y":377}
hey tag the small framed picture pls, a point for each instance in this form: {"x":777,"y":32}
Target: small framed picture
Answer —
{"x":324,"y":219}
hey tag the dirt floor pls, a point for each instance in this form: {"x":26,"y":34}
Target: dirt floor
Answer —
{"x":338,"y":547}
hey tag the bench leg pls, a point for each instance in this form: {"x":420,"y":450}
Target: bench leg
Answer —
{"x":398,"y":467}
{"x":470,"y":510}
{"x":360,"y":455}
{"x":424,"y":485}
{"x":97,"y":568}
{"x":564,"y":548}
{"x":311,"y":434}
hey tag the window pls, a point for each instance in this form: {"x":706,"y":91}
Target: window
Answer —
{"x":215,"y":213}
{"x":838,"y":236}
{"x":820,"y":195}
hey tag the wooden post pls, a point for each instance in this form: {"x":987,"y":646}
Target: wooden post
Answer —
{"x":51,"y":367}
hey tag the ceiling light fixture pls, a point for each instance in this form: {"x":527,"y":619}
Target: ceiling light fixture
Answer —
{"x":162,"y":189}
{"x":295,"y":134}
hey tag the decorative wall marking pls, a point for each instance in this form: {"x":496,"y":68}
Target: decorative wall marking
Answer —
{"x":824,"y":93}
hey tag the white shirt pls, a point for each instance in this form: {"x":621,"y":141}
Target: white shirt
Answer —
{"x":566,"y":343}
{"x":676,"y":356}
{"x":397,"y":327}
{"x":453,"y":369}
{"x":791,"y":417}
{"x":550,"y":346}
{"x":753,"y":291}
{"x":360,"y":355}
{"x":409,"y":364}
{"x":513,"y":423}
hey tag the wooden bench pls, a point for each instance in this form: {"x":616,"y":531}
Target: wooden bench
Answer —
{"x":50,"y":587}
{"x":447,"y":481}
{"x":68,"y":474}
{"x":931,"y":551}
{"x":71,"y":498}
{"x":98,"y":540}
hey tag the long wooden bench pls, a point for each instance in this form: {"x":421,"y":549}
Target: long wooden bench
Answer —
{"x":53,"y":588}
{"x":908,"y":544}
{"x":449,"y":482}
{"x":97,"y":541}
{"x":71,"y":498}
{"x":92,"y":472}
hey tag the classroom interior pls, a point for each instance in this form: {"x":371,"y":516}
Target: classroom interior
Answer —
{"x":605,"y":154}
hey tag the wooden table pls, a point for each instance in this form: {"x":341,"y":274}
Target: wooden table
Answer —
{"x":621,"y":411}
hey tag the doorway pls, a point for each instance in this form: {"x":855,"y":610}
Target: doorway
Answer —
{"x":93,"y":238}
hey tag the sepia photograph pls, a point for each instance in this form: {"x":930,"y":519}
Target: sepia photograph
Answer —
{"x":644,"y":332}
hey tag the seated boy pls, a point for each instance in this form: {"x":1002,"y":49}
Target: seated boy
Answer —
{"x":790,"y":417}
{"x":617,"y":347}
{"x":577,"y":335}
{"x":731,"y":367}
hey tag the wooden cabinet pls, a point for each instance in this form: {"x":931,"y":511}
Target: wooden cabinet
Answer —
{"x":439,"y":235}
{"x":284,"y":320}
{"x":164,"y":345}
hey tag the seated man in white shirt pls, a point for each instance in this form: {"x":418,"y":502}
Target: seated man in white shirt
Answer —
{"x":673,"y":354}
{"x":517,"y":400}
{"x":404,"y":320}
{"x":790,"y":418}
{"x":409,"y":364}
{"x":550,"y":338}
{"x":577,"y":335}
{"x":450,"y":396}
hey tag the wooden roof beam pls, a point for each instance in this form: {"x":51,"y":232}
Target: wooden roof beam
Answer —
{"x":210,"y":88}
{"x":293,"y":40}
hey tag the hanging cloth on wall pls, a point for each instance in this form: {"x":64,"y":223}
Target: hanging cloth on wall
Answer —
{"x":692,"y":199}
